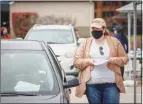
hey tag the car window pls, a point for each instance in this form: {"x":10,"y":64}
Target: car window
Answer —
{"x":52,"y":36}
{"x":58,"y":66}
{"x":27,"y":71}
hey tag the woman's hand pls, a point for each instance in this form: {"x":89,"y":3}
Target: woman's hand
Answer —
{"x":90,"y":61}
{"x":112,"y":60}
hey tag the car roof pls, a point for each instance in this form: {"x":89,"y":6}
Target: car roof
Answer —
{"x":39,"y":26}
{"x":14,"y":44}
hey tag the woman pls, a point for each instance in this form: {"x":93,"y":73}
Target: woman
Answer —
{"x":101,"y":83}
{"x":4,"y":34}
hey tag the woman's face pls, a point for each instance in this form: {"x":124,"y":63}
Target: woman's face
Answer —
{"x":5,"y":31}
{"x":97,"y":33}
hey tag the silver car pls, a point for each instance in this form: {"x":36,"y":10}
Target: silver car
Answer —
{"x":30,"y":73}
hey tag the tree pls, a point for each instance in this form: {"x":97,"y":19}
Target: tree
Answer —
{"x":53,"y":20}
{"x":22,"y":22}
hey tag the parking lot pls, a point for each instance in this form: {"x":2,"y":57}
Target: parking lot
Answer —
{"x":45,"y":44}
{"x":127,"y":97}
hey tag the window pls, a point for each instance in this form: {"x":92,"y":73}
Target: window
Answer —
{"x":110,"y":3}
{"x":27,"y":72}
{"x":95,"y":5}
{"x":104,"y":14}
{"x":125,"y":2}
{"x":52,"y":36}
{"x":116,"y":3}
{"x":95,"y":15}
{"x":111,"y":13}
{"x":106,"y":3}
{"x":108,"y":14}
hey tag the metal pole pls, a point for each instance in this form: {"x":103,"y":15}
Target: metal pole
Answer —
{"x":91,"y":13}
{"x":129,"y":32}
{"x":129,"y":40}
{"x":134,"y":60}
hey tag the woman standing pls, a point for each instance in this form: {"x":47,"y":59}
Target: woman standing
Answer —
{"x":4,"y":34}
{"x":101,"y":83}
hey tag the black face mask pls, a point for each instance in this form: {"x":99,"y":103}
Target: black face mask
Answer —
{"x":97,"y":34}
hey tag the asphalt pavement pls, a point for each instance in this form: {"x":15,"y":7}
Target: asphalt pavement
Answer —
{"x":127,"y":97}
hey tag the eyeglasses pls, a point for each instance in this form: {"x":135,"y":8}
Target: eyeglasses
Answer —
{"x":101,"y":50}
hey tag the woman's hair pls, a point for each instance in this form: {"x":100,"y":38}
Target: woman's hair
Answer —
{"x":107,"y":32}
{"x":2,"y":29}
{"x":2,"y":34}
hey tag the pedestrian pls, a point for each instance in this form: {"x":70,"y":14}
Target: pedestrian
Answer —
{"x":4,"y":33}
{"x":101,"y":83}
{"x":76,"y":33}
{"x":119,"y":34}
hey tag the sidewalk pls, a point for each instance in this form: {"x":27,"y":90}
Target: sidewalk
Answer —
{"x":127,"y":97}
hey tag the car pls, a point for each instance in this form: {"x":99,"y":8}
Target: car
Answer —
{"x":139,"y":53}
{"x":61,"y":38}
{"x":31,"y":73}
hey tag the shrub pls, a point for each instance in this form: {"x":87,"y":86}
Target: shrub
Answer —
{"x":56,"y":20}
{"x":138,"y":41}
{"x":22,"y":22}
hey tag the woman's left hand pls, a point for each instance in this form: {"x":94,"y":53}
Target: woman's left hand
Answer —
{"x":112,"y":60}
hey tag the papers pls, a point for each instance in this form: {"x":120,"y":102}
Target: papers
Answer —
{"x":25,"y":86}
{"x":100,"y":61}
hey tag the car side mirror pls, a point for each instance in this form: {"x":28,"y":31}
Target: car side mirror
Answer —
{"x":72,"y":81}
{"x":78,"y":43}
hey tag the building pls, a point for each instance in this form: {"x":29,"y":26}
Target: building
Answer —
{"x":5,"y":14}
{"x":83,"y":11}
{"x":107,"y":9}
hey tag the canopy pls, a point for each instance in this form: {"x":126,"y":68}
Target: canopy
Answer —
{"x":132,"y":8}
{"x":129,"y":8}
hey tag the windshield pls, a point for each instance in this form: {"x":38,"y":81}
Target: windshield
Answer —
{"x":52,"y":36}
{"x":27,"y":72}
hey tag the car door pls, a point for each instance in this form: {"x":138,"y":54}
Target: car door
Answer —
{"x":57,"y":64}
{"x":60,"y":70}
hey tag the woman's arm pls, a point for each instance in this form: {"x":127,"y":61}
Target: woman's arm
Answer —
{"x":79,"y":61}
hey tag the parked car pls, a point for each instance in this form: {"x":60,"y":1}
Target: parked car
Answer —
{"x":61,"y":39}
{"x":139,"y":53}
{"x":30,"y":73}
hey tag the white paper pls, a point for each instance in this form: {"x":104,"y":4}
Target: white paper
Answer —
{"x":25,"y":86}
{"x":100,"y":61}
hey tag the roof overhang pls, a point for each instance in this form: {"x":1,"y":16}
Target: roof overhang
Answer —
{"x":129,"y":8}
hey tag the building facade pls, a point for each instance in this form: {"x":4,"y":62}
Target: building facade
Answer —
{"x":83,"y":11}
{"x":5,"y":8}
{"x":107,"y":9}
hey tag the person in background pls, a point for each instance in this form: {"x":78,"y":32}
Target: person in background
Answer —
{"x":101,"y":83}
{"x":119,"y":34}
{"x":4,"y":34}
{"x":77,"y":33}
